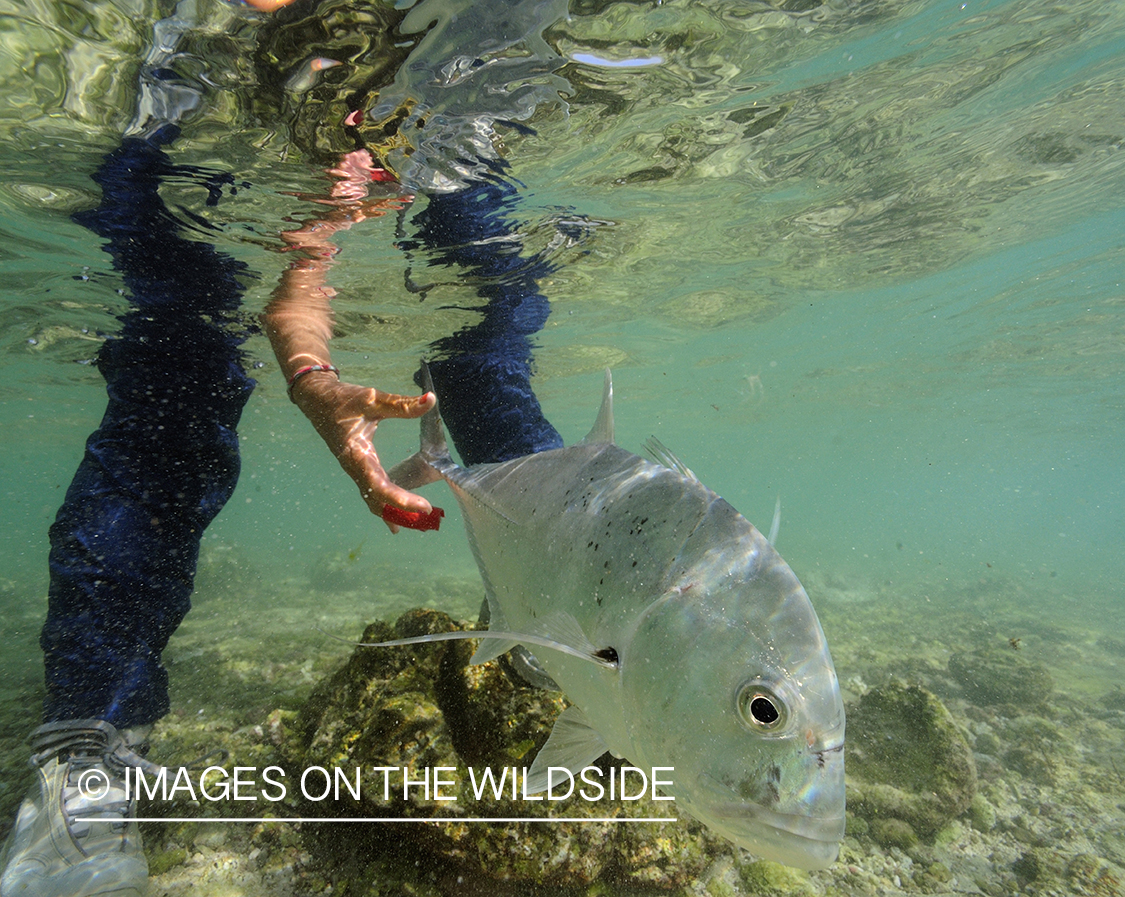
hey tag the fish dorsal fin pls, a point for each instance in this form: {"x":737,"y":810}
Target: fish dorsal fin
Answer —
{"x":433,"y":460}
{"x":573,"y":744}
{"x":661,"y":454}
{"x":776,"y":524}
{"x":603,"y":426}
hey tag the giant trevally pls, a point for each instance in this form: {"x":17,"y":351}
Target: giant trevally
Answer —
{"x":678,"y":632}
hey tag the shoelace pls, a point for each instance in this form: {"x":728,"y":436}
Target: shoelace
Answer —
{"x":87,"y":745}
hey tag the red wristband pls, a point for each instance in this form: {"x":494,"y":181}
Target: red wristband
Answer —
{"x":309,"y":369}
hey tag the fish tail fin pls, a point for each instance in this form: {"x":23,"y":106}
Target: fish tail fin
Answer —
{"x":432,"y":461}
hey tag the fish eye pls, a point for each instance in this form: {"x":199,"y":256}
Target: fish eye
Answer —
{"x":760,"y":709}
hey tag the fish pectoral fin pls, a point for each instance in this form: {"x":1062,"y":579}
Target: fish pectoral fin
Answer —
{"x":493,"y":643}
{"x":573,"y":745}
{"x":564,"y":628}
{"x":497,"y":622}
{"x":490,"y":649}
{"x":559,"y":631}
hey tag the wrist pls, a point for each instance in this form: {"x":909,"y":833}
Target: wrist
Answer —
{"x":303,"y":374}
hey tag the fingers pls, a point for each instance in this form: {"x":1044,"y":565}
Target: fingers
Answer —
{"x":390,"y":405}
{"x":381,"y":491}
{"x":375,"y":485}
{"x":362,"y":464}
{"x":357,"y":163}
{"x":346,"y":416}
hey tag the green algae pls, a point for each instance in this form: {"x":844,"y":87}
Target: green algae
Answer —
{"x":774,"y":880}
{"x":893,"y":832}
{"x":160,"y":863}
{"x":1025,"y":812}
{"x":982,"y":814}
{"x":908,"y":761}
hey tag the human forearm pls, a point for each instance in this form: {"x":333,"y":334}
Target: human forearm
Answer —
{"x":299,"y":319}
{"x":299,"y":322}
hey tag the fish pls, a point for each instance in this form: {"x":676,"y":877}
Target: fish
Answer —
{"x":680,"y":636}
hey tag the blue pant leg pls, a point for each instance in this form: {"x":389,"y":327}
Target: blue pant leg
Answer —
{"x":482,"y":374}
{"x":161,"y":464}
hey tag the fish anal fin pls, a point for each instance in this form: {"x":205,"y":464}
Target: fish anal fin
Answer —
{"x":469,"y":487}
{"x":603,"y":426}
{"x":573,"y":744}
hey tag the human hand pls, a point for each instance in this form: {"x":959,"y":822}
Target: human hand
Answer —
{"x":355,"y":174}
{"x":346,"y":416}
{"x":268,"y":5}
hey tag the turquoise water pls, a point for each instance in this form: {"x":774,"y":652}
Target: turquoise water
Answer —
{"x":866,"y":257}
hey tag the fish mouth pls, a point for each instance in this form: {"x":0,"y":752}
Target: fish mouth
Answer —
{"x":805,"y":842}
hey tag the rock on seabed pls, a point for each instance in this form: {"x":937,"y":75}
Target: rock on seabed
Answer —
{"x":908,"y":762}
{"x":423,"y":707}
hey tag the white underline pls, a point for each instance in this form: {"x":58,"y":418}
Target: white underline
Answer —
{"x":493,"y":819}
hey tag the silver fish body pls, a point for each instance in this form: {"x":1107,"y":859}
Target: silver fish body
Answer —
{"x":712,"y":659}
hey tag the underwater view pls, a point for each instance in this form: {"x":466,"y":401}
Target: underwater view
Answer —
{"x":855,"y":266}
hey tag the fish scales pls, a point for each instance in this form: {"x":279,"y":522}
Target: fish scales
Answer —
{"x":683,"y":638}
{"x":607,"y":524}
